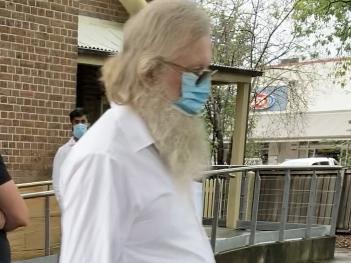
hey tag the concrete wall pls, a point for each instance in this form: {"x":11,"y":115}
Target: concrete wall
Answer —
{"x":300,"y":251}
{"x":278,"y":152}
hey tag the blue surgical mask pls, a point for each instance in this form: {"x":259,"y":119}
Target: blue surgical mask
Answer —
{"x":194,"y":96}
{"x":79,"y":130}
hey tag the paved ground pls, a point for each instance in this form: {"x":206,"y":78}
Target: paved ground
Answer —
{"x":51,"y":259}
{"x":342,"y":255}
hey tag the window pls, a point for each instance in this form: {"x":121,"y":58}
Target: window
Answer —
{"x":324,"y":163}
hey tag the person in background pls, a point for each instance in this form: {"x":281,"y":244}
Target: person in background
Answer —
{"x":79,"y":122}
{"x":127,"y":189}
{"x":13,"y":211}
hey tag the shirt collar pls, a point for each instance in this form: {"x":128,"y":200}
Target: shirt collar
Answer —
{"x":134,"y":127}
{"x":71,"y":141}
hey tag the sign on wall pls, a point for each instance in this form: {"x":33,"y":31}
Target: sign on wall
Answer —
{"x":272,"y":98}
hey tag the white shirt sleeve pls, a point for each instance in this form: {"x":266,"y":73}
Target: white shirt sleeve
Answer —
{"x":58,"y":159}
{"x":97,"y":211}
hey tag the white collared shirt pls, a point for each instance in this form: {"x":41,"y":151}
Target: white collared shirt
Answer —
{"x":60,"y":156}
{"x":119,"y":203}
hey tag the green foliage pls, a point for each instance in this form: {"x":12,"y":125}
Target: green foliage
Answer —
{"x":328,"y":20}
{"x":251,"y":34}
{"x":220,"y":110}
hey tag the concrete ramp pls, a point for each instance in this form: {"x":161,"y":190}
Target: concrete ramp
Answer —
{"x":49,"y":259}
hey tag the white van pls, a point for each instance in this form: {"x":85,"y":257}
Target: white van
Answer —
{"x":310,"y":161}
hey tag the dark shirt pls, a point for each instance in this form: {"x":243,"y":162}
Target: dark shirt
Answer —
{"x":4,"y":243}
{"x":4,"y":175}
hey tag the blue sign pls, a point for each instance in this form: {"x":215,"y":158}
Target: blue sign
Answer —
{"x":272,"y":98}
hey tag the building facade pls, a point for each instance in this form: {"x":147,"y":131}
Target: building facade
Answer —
{"x":40,"y":72}
{"x":306,"y":113}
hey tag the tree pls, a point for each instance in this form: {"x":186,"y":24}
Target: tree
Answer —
{"x":329,"y":21}
{"x":219,"y":112}
{"x":251,"y":34}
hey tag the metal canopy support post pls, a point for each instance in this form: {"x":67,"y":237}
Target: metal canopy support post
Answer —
{"x":240,"y":125}
{"x":238,"y":152}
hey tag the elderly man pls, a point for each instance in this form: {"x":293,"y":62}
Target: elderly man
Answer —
{"x":126,"y":192}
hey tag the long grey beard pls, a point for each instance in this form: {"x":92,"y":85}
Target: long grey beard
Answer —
{"x":181,"y":140}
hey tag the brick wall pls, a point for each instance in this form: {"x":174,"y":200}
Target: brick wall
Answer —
{"x":38,"y":63}
{"x":104,"y":9}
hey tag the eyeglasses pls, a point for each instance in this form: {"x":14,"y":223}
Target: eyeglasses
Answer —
{"x":201,"y":74}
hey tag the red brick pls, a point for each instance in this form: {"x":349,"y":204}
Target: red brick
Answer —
{"x":6,"y":107}
{"x":38,"y":76}
{"x":5,"y":13}
{"x":3,"y":99}
{"x":4,"y":29}
{"x":6,"y":76}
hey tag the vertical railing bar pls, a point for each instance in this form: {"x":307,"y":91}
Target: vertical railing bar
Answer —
{"x":215,"y":216}
{"x":47,"y":224}
{"x":336,"y":201}
{"x":311,"y":205}
{"x":243,"y":200}
{"x":285,"y":205}
{"x":346,"y":218}
{"x":220,"y":209}
{"x":254,"y":211}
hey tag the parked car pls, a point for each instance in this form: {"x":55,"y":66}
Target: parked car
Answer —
{"x":310,"y":161}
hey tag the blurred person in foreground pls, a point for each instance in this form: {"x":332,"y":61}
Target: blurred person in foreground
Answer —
{"x":126,"y":191}
{"x":13,"y":211}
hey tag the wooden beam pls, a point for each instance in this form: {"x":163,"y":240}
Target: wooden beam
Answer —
{"x":133,"y":6}
{"x":238,"y":152}
{"x":90,"y":59}
{"x":230,"y":78}
{"x":240,"y":125}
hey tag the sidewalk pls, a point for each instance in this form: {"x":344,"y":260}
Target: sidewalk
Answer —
{"x":50,"y":259}
{"x":342,"y":255}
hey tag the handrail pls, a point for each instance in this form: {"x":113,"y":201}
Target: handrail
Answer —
{"x":32,"y":184}
{"x":38,"y":194}
{"x":254,"y":168}
{"x":226,"y":171}
{"x":229,"y":169}
{"x":309,"y":168}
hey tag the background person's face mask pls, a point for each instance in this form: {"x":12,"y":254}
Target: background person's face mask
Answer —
{"x":193,"y":95}
{"x":79,"y":130}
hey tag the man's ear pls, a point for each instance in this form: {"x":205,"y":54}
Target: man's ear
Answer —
{"x":148,"y":69}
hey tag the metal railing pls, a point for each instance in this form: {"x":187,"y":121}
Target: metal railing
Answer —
{"x":286,"y":197}
{"x":344,"y":218}
{"x":255,"y":181}
{"x":41,"y":194}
